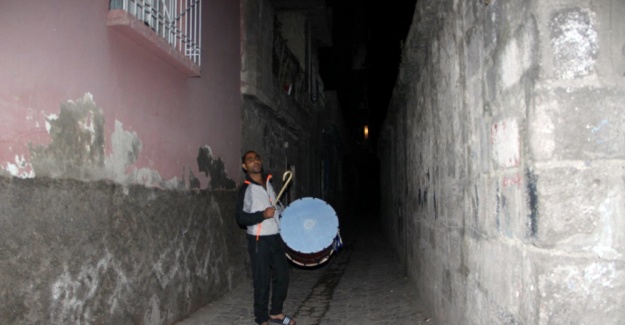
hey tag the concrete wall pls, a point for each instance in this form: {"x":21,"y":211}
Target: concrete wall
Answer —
{"x":293,"y":30}
{"x":502,"y":160}
{"x":97,"y":253}
{"x":117,"y":170}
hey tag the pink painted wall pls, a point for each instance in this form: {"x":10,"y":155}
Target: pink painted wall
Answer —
{"x":55,"y":51}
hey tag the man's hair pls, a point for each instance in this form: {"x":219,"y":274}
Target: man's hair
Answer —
{"x":245,"y":154}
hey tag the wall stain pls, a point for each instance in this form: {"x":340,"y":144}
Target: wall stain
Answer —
{"x":532,"y":202}
{"x":447,"y":287}
{"x":215,"y":168}
{"x":419,"y":200}
{"x":126,"y":147}
{"x":476,"y":204}
{"x":498,"y":208}
{"x":435,"y":207}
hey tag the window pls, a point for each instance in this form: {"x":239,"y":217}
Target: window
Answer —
{"x":176,"y":23}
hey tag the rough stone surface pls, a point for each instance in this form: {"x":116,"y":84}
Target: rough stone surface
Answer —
{"x":77,"y":252}
{"x":502,"y":161}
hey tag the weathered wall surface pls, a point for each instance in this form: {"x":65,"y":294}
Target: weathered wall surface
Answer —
{"x":502,"y":160}
{"x":98,"y":253}
{"x":117,"y":171}
{"x":58,"y":53}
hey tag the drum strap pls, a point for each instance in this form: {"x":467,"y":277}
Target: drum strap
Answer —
{"x":260,"y":224}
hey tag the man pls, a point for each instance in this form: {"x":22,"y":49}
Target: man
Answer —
{"x":256,"y":210}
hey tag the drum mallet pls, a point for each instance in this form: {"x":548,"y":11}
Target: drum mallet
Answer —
{"x":286,"y":178}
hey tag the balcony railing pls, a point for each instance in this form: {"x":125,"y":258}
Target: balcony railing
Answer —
{"x":178,"y":22}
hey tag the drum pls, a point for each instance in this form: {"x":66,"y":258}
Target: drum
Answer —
{"x":309,"y":228}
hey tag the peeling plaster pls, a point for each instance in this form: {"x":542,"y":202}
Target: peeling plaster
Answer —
{"x":126,"y":147}
{"x":77,"y":147}
{"x":22,"y":168}
{"x":77,"y":150}
{"x":51,"y":117}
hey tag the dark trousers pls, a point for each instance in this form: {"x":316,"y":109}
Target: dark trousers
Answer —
{"x":270,"y":272}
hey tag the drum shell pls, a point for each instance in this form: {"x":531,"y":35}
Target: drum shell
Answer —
{"x":309,"y":227}
{"x":309,"y":259}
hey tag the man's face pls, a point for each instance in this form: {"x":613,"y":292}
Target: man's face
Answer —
{"x":252,"y":163}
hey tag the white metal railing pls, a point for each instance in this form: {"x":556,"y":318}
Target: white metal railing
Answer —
{"x":177,"y":21}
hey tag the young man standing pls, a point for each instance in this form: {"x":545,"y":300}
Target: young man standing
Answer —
{"x":256,"y":210}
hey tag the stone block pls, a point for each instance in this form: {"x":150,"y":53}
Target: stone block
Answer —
{"x":574,"y":42}
{"x":578,"y":124}
{"x":500,"y":287}
{"x":579,"y":208}
{"x":580,"y":290}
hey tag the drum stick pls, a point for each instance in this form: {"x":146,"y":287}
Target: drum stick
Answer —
{"x":286,"y":178}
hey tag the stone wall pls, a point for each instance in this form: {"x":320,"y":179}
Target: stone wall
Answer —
{"x":95,"y":252}
{"x":502,"y":161}
{"x":280,"y":121}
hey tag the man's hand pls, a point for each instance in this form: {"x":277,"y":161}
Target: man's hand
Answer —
{"x":269,"y":212}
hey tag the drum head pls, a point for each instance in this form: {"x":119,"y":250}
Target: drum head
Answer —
{"x":309,"y":225}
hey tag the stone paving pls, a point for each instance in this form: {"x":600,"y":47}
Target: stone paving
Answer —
{"x":362,"y":284}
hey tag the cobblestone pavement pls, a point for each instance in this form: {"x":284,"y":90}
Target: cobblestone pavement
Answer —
{"x":362,"y":284}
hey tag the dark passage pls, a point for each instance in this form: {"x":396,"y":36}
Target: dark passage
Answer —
{"x":364,"y":283}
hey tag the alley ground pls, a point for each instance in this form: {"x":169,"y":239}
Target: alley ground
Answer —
{"x":362,"y":284}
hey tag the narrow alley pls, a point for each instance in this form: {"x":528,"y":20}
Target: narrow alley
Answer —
{"x":474,"y":153}
{"x":362,"y":284}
